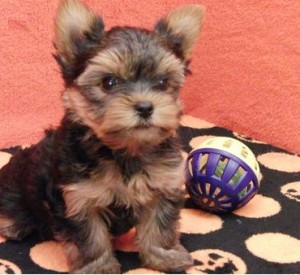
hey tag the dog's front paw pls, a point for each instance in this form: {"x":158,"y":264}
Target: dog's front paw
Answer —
{"x":99,"y":266}
{"x":176,"y":259}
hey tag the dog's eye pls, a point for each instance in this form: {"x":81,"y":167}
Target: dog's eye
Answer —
{"x":109,"y":82}
{"x":162,"y":84}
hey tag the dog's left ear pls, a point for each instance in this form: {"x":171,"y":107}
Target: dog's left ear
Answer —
{"x":181,"y":28}
{"x":78,"y":33}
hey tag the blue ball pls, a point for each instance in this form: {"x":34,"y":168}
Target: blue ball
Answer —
{"x":222,"y":175}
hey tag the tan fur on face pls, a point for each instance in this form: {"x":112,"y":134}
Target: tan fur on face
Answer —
{"x":109,"y":61}
{"x":121,"y":125}
{"x":113,"y":62}
{"x":121,"y":113}
{"x":82,"y":111}
{"x":117,"y":124}
{"x":113,"y":118}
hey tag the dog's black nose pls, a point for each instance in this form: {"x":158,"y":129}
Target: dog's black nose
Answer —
{"x":144,"y":109}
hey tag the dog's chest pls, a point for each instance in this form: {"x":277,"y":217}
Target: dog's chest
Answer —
{"x":129,"y":167}
{"x":131,"y":186}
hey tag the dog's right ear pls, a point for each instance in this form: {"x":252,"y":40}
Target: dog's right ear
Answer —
{"x":78,"y":33}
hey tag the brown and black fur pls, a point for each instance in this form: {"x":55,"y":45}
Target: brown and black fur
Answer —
{"x":115,"y":161}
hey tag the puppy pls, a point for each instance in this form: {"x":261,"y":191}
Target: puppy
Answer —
{"x":114,"y":162}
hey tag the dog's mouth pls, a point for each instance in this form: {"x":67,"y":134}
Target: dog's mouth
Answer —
{"x":144,"y":124}
{"x":143,"y":127}
{"x":138,"y":137}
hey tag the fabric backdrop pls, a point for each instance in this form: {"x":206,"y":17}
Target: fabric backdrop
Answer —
{"x":245,"y":68}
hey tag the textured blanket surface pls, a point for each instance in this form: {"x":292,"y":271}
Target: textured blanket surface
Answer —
{"x":245,"y":67}
{"x":261,"y":237}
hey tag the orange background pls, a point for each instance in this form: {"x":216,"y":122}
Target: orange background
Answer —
{"x":246,"y":66}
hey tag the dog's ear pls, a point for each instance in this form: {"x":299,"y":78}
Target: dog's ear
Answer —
{"x":78,"y":33}
{"x":181,"y":28}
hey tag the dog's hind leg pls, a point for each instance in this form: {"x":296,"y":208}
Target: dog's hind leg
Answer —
{"x":16,"y":190}
{"x":14,"y":230}
{"x":16,"y":220}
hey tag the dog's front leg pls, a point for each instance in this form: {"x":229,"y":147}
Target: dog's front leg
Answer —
{"x":92,"y":252}
{"x":158,"y":237}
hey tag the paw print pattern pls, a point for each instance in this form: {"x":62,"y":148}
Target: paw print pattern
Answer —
{"x":292,"y":190}
{"x":216,"y":261}
{"x":7,"y":267}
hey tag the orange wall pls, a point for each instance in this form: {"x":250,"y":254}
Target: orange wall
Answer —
{"x":246,"y":67}
{"x":248,"y":70}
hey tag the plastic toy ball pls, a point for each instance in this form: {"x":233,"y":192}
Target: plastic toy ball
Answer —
{"x":222,"y":175}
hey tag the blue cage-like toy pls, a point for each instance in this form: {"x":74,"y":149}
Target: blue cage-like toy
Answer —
{"x":222,"y":175}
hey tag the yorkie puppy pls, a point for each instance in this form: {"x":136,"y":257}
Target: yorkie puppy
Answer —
{"x":115,"y":161}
